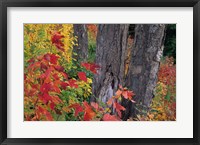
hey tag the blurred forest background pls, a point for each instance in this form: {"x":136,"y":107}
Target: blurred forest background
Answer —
{"x":100,"y":72}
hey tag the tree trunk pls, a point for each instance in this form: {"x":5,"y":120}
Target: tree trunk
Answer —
{"x":110,"y":55}
{"x":145,"y":59}
{"x":80,"y":30}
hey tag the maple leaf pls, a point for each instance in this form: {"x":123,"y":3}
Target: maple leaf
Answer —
{"x":118,"y":108}
{"x":46,"y":75}
{"x":34,"y":66}
{"x":82,"y":76}
{"x":118,"y":93}
{"x":56,"y":39}
{"x":54,"y":58}
{"x":128,"y":94}
{"x":52,"y":105}
{"x":43,"y":112}
{"x":94,"y":68}
{"x":56,"y":77}
{"x":64,"y":85}
{"x":86,"y":65}
{"x":45,"y":97}
{"x":59,"y":68}
{"x":91,"y":67}
{"x":51,"y":58}
{"x":46,"y":87}
{"x":72,"y":83}
{"x":108,"y":117}
{"x":48,"y":116}
{"x":43,"y":66}
{"x":77,"y":107}
{"x":89,"y":113}
{"x":56,"y":100}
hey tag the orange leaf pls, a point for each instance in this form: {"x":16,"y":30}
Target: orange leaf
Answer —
{"x":89,"y":113}
{"x":110,"y":101}
{"x":128,"y":94}
{"x":118,"y":93}
{"x":66,"y":109}
{"x":56,"y":100}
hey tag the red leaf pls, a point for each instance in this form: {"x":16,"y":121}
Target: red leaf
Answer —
{"x":72,"y":83}
{"x":59,"y":68}
{"x":118,"y":108}
{"x":86,"y":65}
{"x":91,"y":67}
{"x":56,"y":39}
{"x":45,"y":87}
{"x":108,"y":117}
{"x":25,"y":77}
{"x":89,"y":113}
{"x":54,"y":59}
{"x":82,"y":76}
{"x":64,"y":85}
{"x":94,"y":68}
{"x":56,"y":77}
{"x":52,"y":105}
{"x":43,"y":112}
{"x":45,"y":98}
{"x":43,"y":66}
{"x":51,"y":58}
{"x":77,"y":107}
{"x":47,"y":56}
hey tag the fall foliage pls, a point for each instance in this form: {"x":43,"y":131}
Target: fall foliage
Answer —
{"x":58,"y":87}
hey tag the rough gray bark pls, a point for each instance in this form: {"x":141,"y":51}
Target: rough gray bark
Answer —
{"x":144,"y":65}
{"x":80,"y":30}
{"x":110,"y":55}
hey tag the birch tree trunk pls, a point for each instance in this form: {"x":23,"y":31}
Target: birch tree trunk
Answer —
{"x":80,"y":30}
{"x":110,"y":55}
{"x":145,"y":59}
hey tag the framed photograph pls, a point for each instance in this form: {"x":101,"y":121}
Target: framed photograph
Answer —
{"x":109,"y":72}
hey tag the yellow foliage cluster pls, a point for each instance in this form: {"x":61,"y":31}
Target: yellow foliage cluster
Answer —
{"x":37,"y":40}
{"x":85,"y":88}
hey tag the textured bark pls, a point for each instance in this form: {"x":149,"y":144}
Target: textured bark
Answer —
{"x":144,"y":65}
{"x":80,"y":30}
{"x":110,"y":55}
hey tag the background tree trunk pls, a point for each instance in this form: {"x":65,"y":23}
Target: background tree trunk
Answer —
{"x":80,"y":30}
{"x":144,"y":65}
{"x":110,"y":55}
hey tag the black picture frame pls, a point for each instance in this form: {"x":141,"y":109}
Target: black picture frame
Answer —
{"x":4,"y":4}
